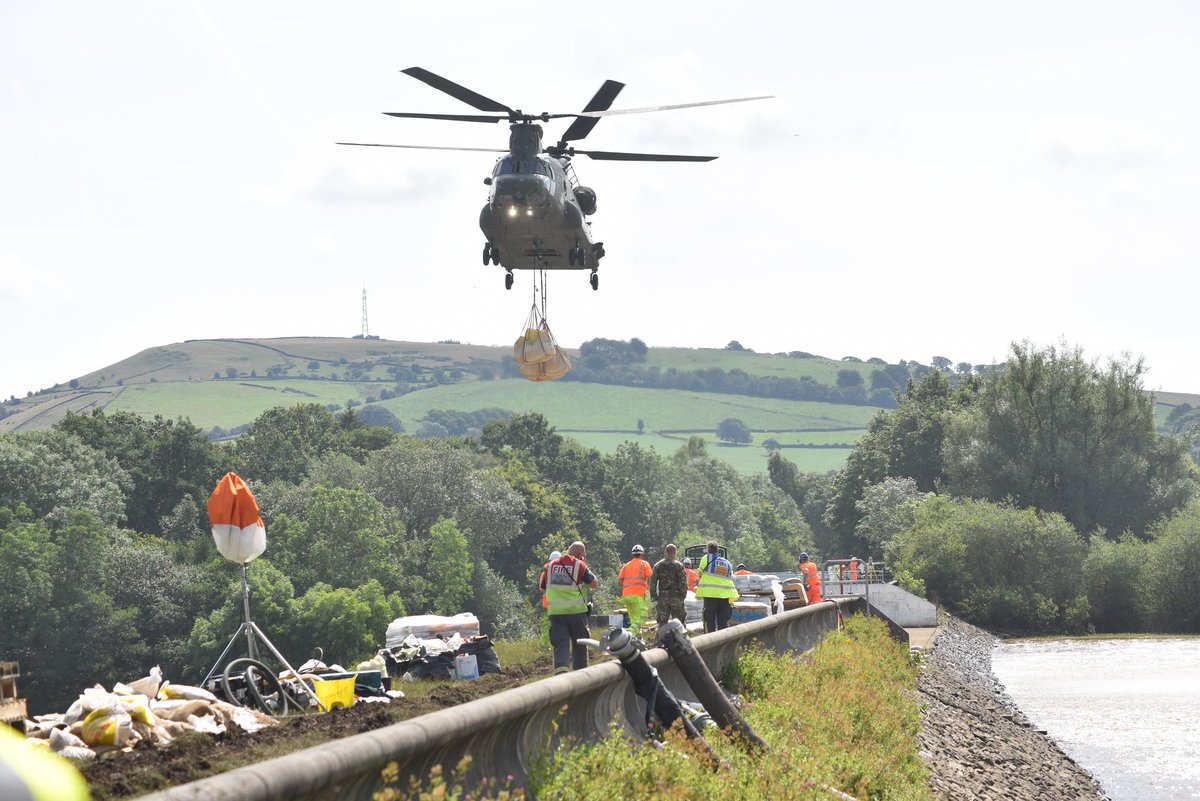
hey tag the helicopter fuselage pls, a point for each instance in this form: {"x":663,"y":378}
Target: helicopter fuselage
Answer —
{"x":533,"y":219}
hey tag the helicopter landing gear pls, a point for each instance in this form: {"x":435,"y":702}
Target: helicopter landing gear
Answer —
{"x":487,"y":253}
{"x":508,"y":279}
{"x":595,"y":280}
{"x":495,"y":255}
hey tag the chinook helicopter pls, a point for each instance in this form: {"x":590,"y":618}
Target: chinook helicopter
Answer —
{"x":536,"y":214}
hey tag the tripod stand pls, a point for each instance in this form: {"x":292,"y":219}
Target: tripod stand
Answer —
{"x":252,"y":632}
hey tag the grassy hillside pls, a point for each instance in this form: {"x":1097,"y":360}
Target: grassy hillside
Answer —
{"x":228,"y":382}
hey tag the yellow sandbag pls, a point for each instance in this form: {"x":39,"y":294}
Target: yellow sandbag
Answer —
{"x":536,"y":345}
{"x":138,"y":707}
{"x":186,"y":692}
{"x":555,"y":367}
{"x":107,"y":726}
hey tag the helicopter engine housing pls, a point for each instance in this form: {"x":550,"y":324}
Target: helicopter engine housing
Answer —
{"x":586,"y":197}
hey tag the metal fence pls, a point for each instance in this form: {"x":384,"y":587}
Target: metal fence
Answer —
{"x":505,"y":733}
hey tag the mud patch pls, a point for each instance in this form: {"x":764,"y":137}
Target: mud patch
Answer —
{"x":194,"y":756}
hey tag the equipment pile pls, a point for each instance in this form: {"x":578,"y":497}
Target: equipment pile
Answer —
{"x":149,"y":709}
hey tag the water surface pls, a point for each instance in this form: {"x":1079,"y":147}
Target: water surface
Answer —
{"x":1128,"y":711}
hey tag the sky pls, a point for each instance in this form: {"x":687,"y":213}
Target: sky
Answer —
{"x":931,"y":178}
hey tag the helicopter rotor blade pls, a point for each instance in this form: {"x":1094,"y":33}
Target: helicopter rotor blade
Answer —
{"x":648,"y":109}
{"x":458,"y":117}
{"x":610,"y":155}
{"x":454,"y":90}
{"x":582,"y":126}
{"x":428,"y":147}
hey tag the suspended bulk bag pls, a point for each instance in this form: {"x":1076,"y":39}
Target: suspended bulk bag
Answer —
{"x":537,"y":344}
{"x":555,"y":367}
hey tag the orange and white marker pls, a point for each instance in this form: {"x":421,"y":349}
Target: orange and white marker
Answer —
{"x":237,"y":528}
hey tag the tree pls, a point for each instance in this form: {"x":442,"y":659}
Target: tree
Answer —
{"x":940,"y":363}
{"x":996,"y":566}
{"x":1059,"y":433}
{"x":734,"y":430}
{"x":51,"y":472}
{"x":231,"y":372}
{"x":449,"y":569}
{"x":641,"y":425}
{"x":849,"y":378}
{"x":886,"y":509}
{"x":280,"y":442}
{"x":734,"y":345}
{"x":166,"y":460}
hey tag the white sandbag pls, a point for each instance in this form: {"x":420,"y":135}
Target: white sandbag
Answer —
{"x":186,"y":691}
{"x":427,"y":627}
{"x":550,"y":369}
{"x":207,"y":724}
{"x":62,"y":738}
{"x":147,"y":686}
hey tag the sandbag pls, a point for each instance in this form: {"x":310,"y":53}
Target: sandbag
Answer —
{"x":553,"y":368}
{"x":534,"y":346}
{"x":109,"y":725}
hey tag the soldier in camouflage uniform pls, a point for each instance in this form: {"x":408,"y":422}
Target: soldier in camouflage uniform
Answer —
{"x":668,"y":586}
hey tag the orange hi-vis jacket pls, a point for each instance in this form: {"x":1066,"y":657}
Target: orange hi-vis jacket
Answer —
{"x":635,"y":577}
{"x":693,"y":577}
{"x":809,"y":571}
{"x":542,"y":583}
{"x":743,"y":573}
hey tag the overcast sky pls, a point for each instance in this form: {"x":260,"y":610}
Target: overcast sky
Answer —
{"x":933,"y":178}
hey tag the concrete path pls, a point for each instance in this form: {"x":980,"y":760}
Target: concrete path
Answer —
{"x":921,"y":638}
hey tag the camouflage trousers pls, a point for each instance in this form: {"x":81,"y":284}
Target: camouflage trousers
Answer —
{"x":670,"y":607}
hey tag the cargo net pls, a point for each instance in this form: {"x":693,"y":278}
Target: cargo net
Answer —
{"x":539,"y":356}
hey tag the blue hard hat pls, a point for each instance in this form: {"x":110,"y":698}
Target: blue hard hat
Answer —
{"x":804,"y":556}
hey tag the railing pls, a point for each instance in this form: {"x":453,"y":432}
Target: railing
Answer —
{"x":504,"y":733}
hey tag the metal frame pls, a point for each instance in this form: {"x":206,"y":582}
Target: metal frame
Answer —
{"x":252,"y":631}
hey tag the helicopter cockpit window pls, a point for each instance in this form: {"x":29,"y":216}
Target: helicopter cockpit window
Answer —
{"x":504,"y":166}
{"x":534,"y":167}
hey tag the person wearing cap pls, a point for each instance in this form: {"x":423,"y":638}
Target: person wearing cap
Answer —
{"x":668,"y":587}
{"x":566,"y":580}
{"x":716,"y":588}
{"x":812,"y":581}
{"x":634,"y":581}
{"x":692,"y":575}
{"x":542,"y":585}
{"x":741,"y":571}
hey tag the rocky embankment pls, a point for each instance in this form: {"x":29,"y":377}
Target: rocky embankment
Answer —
{"x":975,"y":741}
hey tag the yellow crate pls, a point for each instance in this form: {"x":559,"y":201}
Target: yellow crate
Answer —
{"x":336,"y":693}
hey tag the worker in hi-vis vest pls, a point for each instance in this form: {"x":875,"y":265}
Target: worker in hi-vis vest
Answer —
{"x":716,"y":588}
{"x":693,"y":576}
{"x":635,"y":581}
{"x":566,"y":581}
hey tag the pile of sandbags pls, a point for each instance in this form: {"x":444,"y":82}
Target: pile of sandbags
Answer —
{"x":540,"y":357}
{"x":150,"y":710}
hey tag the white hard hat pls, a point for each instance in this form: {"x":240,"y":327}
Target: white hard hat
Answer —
{"x":638,"y":549}
{"x":555,"y":555}
{"x":687,"y":560}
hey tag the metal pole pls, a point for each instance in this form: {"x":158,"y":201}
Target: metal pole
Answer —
{"x":691,"y":666}
{"x":246,"y":607}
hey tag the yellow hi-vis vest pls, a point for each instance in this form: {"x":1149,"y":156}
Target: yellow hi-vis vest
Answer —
{"x":715,"y":581}
{"x":565,"y":594}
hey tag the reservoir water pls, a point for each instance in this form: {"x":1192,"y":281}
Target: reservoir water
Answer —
{"x":1128,"y":711}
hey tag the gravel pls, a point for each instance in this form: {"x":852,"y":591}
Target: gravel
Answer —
{"x":975,"y":741}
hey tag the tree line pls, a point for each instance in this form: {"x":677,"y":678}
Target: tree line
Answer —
{"x":109,"y":567}
{"x":1035,"y":497}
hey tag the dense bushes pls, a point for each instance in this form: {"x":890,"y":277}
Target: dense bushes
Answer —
{"x":849,"y":720}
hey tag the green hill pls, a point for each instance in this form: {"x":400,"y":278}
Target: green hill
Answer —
{"x":226,"y":383}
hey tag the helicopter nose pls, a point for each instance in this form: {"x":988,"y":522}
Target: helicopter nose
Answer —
{"x":520,"y":189}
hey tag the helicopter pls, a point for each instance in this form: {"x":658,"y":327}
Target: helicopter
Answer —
{"x":537,"y":210}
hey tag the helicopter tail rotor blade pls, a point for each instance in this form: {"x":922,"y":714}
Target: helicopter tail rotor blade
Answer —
{"x":428,"y":147}
{"x":648,"y":109}
{"x":609,"y":155}
{"x":458,"y":117}
{"x":454,"y":90}
{"x":582,"y":126}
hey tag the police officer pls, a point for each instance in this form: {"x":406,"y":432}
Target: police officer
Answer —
{"x":668,"y":587}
